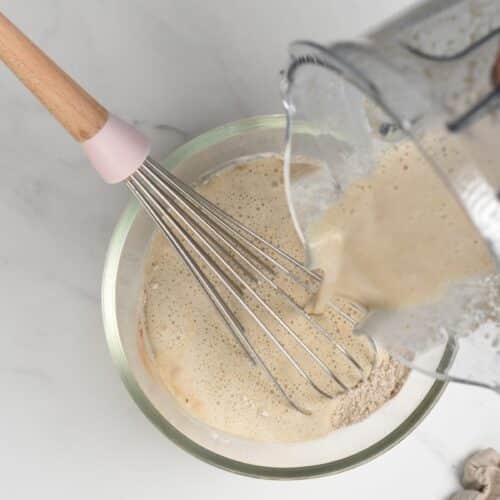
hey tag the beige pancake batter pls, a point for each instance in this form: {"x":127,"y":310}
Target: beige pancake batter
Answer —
{"x":190,"y":349}
{"x":397,"y":237}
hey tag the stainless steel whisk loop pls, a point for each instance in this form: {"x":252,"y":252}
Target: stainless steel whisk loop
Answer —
{"x":239,"y":259}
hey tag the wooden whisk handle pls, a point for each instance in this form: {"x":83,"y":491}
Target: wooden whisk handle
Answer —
{"x":115,"y":148}
{"x":78,"y":112}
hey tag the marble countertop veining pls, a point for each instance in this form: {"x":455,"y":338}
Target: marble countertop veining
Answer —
{"x":68,"y":429}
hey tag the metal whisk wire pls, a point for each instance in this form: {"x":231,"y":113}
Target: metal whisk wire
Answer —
{"x":229,"y":250}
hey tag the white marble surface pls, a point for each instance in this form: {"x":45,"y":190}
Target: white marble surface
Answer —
{"x":68,"y":429}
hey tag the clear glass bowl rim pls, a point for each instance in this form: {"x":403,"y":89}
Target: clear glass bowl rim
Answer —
{"x":118,"y":355}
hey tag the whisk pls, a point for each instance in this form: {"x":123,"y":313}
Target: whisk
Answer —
{"x":204,"y":236}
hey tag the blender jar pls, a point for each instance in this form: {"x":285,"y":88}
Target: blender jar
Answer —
{"x":429,"y":78}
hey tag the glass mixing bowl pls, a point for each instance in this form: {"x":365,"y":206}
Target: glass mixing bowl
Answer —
{"x":122,"y":287}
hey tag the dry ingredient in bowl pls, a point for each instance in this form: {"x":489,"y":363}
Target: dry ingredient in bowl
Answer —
{"x":189,"y":348}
